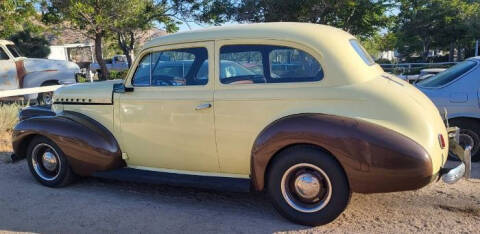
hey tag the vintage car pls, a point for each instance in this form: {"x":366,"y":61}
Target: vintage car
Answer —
{"x":328,"y":123}
{"x":456,"y":91}
{"x":116,"y":63}
{"x":18,"y":72}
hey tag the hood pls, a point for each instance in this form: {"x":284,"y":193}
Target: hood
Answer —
{"x":86,"y":93}
{"x":36,"y":65}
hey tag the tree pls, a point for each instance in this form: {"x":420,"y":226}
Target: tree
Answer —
{"x":138,"y":16}
{"x":30,"y":45}
{"x":360,"y":17}
{"x":92,"y":17}
{"x":378,"y":43}
{"x":425,"y":24}
{"x":15,"y":15}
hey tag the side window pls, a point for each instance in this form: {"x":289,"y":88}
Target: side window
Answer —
{"x":3,"y":55}
{"x":293,"y":65}
{"x":241,"y":64}
{"x":142,"y":74}
{"x":249,"y":64}
{"x":179,"y":67}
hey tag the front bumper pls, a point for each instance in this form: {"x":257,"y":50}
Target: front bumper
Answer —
{"x":452,"y":175}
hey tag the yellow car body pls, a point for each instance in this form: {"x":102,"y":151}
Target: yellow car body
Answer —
{"x":350,"y":88}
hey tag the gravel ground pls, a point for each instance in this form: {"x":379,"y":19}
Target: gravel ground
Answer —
{"x":95,"y":205}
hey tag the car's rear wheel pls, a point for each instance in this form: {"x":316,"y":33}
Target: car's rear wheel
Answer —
{"x":308,"y":186}
{"x":48,"y":164}
{"x":469,"y":134}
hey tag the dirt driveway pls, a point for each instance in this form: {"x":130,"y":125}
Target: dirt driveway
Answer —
{"x":94,"y":205}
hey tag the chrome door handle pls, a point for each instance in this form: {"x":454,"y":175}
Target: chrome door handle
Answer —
{"x":203,"y":106}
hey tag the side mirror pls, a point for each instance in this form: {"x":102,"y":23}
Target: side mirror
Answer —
{"x":120,"y":88}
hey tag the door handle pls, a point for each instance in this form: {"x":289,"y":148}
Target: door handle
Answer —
{"x":203,"y":106}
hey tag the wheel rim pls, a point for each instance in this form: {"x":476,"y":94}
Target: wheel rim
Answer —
{"x":306,"y":188}
{"x":47,"y":98}
{"x":46,"y":162}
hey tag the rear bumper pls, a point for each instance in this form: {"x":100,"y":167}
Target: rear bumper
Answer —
{"x":452,"y":175}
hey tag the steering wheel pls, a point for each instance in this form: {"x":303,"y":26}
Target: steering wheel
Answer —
{"x":162,"y":82}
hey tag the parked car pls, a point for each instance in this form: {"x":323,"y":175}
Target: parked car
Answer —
{"x":309,"y":138}
{"x":18,"y":72}
{"x":117,"y":63}
{"x":456,"y":90}
{"x":424,"y":73}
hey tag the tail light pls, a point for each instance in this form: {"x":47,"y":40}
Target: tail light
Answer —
{"x":441,"y":141}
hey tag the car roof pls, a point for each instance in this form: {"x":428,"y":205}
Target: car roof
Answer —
{"x":286,"y":31}
{"x":333,"y":45}
{"x":5,"y":42}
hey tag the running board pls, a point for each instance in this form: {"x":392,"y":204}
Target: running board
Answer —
{"x":183,"y":180}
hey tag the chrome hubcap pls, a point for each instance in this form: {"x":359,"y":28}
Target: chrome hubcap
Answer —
{"x":306,"y":188}
{"x":49,"y":161}
{"x":47,"y":98}
{"x":46,"y":162}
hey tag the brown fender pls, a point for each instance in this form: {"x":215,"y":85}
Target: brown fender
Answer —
{"x":375,"y":159}
{"x":21,"y":72}
{"x":88,"y":146}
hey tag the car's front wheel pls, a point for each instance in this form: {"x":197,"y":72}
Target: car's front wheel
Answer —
{"x":48,"y":164}
{"x":308,"y":186}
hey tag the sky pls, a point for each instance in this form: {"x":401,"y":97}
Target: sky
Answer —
{"x":193,"y":26}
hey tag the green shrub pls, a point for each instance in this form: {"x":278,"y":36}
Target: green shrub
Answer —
{"x":118,"y":75}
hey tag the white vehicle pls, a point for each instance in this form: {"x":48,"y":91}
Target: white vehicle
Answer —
{"x":17,"y":72}
{"x":117,"y":63}
{"x":424,"y":73}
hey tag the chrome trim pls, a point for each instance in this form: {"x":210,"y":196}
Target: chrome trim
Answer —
{"x":464,"y":154}
{"x":203,"y":106}
{"x":301,"y":206}
{"x":39,"y":168}
{"x":49,"y":161}
{"x":307,"y":186}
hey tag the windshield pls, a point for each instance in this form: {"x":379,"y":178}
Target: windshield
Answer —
{"x":14,"y":50}
{"x":122,"y":59}
{"x":448,"y":75}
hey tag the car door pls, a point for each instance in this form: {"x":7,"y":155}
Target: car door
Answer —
{"x":167,"y":122}
{"x":258,"y":82}
{"x":8,"y":71}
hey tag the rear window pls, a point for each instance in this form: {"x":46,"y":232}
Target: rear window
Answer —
{"x":448,"y":75}
{"x":362,"y":52}
{"x":14,"y":50}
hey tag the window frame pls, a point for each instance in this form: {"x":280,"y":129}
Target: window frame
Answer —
{"x":14,"y":50}
{"x":208,"y":45}
{"x":6,"y":52}
{"x":317,"y":55}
